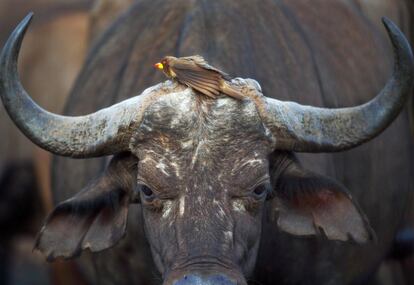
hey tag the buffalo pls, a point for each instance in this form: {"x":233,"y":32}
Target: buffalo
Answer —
{"x":216,"y":186}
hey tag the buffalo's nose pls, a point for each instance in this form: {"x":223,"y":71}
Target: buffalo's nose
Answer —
{"x":208,"y":280}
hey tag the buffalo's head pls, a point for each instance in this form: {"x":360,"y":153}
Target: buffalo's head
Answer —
{"x":202,"y":169}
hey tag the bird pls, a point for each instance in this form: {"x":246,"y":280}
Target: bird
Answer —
{"x":195,"y":72}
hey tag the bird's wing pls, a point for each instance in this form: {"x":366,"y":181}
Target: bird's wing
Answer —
{"x":203,"y":80}
{"x":199,"y":60}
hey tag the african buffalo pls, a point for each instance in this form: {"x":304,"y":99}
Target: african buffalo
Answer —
{"x":215,"y":183}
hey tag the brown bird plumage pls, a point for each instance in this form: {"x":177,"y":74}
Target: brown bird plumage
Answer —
{"x":196,"y":73}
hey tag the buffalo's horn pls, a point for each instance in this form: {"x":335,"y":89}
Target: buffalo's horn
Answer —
{"x":311,"y":129}
{"x":102,"y":133}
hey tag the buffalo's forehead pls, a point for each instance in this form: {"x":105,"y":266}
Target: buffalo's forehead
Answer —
{"x":183,"y":130}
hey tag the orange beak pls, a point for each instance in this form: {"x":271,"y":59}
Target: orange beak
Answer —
{"x":159,"y":66}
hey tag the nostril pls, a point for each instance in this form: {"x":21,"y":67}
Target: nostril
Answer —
{"x":220,"y":279}
{"x":207,"y":280}
{"x":189,"y":279}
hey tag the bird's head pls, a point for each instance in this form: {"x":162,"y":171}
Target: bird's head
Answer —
{"x":164,"y":65}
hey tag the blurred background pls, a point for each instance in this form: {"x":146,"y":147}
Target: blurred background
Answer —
{"x":52,"y":55}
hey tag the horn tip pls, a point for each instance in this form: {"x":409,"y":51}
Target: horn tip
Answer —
{"x":399,"y":42}
{"x":390,"y":26}
{"x":385,"y":20}
{"x":13,"y":43}
{"x":393,"y":30}
{"x":26,"y":21}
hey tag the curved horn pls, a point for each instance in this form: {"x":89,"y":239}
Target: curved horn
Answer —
{"x":311,"y":129}
{"x":102,"y":133}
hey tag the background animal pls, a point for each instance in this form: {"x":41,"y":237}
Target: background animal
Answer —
{"x":61,"y":33}
{"x":54,"y":52}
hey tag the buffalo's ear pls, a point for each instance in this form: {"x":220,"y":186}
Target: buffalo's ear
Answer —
{"x":95,"y":218}
{"x":311,"y":204}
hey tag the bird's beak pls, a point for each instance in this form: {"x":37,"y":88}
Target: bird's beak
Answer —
{"x":159,"y":65}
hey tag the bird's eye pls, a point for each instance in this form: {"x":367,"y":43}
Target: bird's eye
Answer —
{"x":147,"y":192}
{"x":261,"y":191}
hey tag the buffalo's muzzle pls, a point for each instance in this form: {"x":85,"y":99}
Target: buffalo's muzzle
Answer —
{"x":208,"y":280}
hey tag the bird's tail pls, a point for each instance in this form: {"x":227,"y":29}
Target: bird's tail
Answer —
{"x":227,"y":89}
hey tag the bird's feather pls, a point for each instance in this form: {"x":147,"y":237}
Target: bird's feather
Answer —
{"x":201,"y":62}
{"x":207,"y":89}
{"x":211,"y":83}
{"x":203,"y":80}
{"x":203,"y":91}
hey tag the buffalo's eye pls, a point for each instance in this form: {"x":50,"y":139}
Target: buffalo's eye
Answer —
{"x":148,"y":193}
{"x":261,"y":191}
